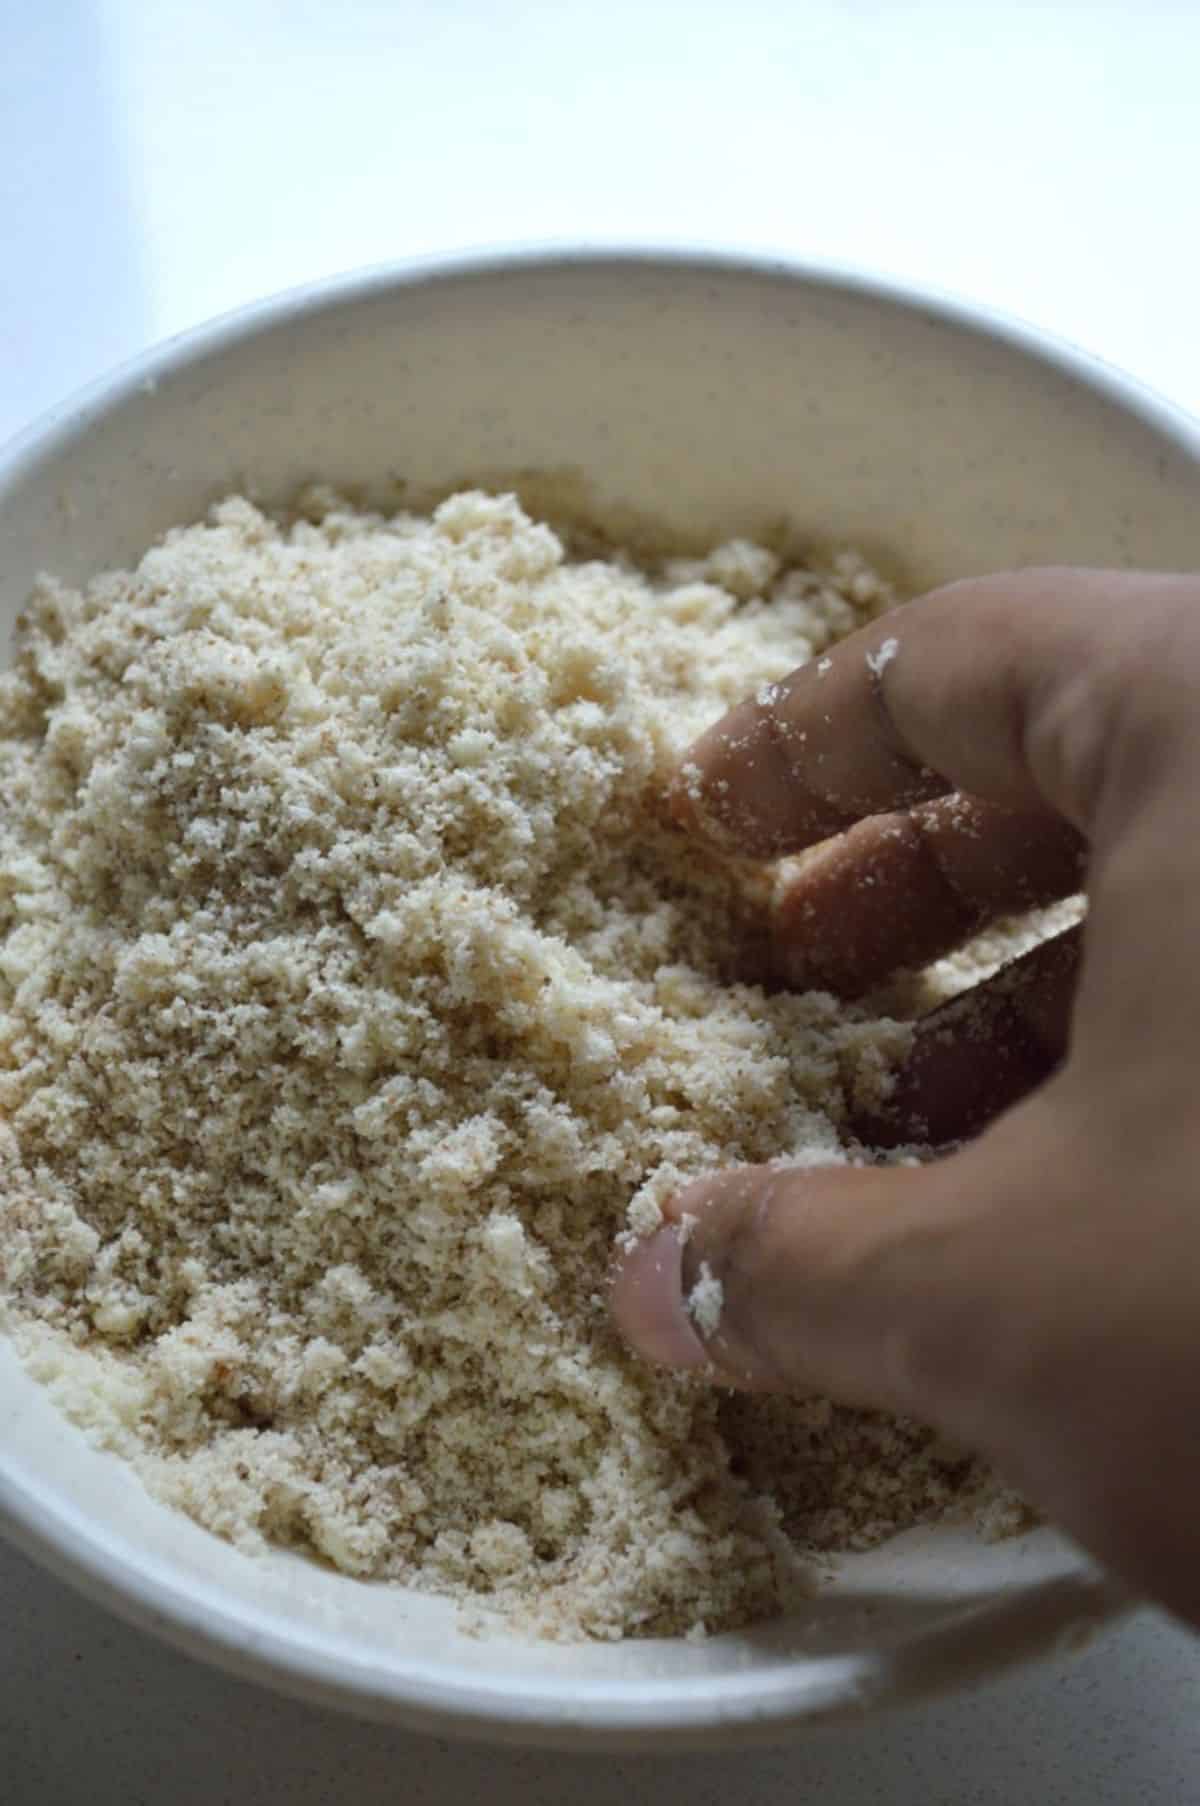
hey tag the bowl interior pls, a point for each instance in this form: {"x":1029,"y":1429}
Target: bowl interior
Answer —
{"x":678,"y":399}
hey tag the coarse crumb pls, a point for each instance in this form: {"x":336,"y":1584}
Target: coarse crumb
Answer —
{"x":706,"y":1300}
{"x":355,"y":995}
{"x":849,"y":1479}
{"x":878,"y":661}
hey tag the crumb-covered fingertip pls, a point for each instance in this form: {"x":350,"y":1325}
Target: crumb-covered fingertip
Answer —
{"x":648,"y":1303}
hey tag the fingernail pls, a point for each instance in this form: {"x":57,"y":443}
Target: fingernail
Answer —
{"x":648,"y":1302}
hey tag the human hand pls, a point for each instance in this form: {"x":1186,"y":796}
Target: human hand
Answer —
{"x":1037,"y":1292}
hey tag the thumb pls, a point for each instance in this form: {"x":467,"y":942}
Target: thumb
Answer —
{"x":842,"y":1280}
{"x":1024,"y":1296}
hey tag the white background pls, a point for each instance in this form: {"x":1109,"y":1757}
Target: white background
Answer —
{"x":161,"y":160}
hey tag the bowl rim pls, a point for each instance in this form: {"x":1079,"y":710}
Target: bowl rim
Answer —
{"x":1058,"y":1613}
{"x":1054,"y":1616}
{"x":63,"y":420}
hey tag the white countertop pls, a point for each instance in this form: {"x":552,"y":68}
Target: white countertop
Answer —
{"x":161,"y":161}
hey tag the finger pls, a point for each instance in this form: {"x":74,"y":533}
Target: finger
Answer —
{"x":902,"y":889}
{"x":1005,"y":688}
{"x":649,"y":1302}
{"x":890,"y":1287}
{"x":982,"y":1052}
{"x":823,"y":1276}
{"x":766,"y":1230}
{"x":938,"y":1292}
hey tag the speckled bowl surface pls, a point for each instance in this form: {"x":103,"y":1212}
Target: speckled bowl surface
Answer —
{"x":707,"y":395}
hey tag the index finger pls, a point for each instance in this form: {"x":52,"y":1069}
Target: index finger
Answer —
{"x":968,"y":688}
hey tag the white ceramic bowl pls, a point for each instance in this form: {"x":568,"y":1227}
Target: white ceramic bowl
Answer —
{"x":712,"y":394}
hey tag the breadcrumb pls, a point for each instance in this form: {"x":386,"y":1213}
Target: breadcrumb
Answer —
{"x":706,"y":1300}
{"x":878,"y":661}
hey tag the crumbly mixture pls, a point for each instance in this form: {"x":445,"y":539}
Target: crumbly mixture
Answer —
{"x":354,"y":996}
